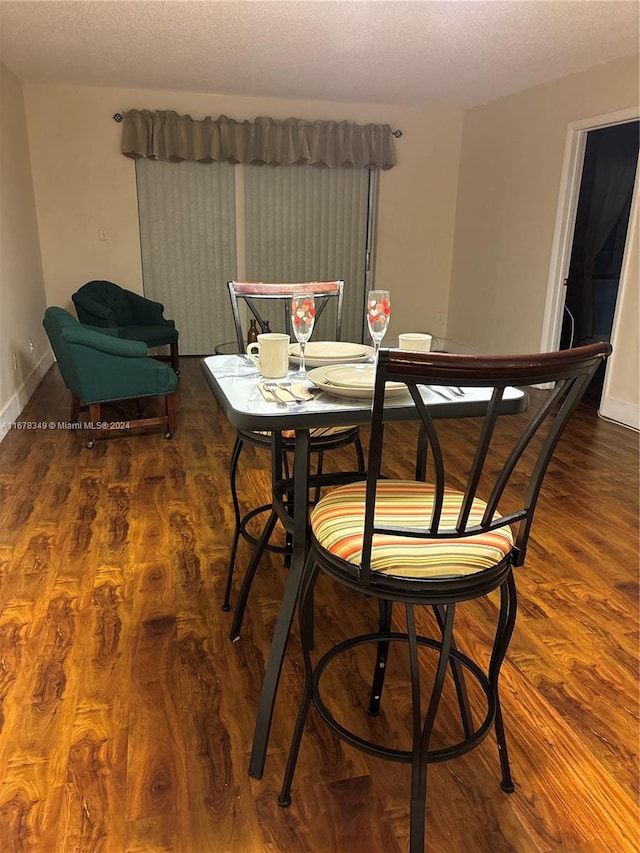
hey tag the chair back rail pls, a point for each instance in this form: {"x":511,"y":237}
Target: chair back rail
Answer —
{"x":252,"y":292}
{"x":498,"y":472}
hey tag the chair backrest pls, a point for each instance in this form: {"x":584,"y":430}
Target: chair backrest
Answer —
{"x":109,"y":295}
{"x":505,"y":457}
{"x":278,"y":296}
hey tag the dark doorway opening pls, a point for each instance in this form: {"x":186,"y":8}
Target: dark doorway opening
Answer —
{"x":602,"y":219}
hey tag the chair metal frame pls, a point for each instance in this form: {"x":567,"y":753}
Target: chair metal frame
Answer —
{"x":278,"y":292}
{"x":250,"y":291}
{"x":570,"y":371}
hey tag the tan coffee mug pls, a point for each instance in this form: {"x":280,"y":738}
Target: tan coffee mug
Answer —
{"x":271,"y":355}
{"x":415,"y":341}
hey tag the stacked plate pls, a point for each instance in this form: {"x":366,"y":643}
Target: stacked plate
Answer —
{"x":320,"y":353}
{"x":351,"y":380}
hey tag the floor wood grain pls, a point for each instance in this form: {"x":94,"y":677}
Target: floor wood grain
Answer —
{"x":126,"y":714}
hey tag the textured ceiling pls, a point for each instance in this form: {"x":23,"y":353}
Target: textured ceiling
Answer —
{"x":451,"y":53}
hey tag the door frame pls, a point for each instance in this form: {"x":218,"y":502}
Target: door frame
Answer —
{"x":610,"y":407}
{"x":572,"y":166}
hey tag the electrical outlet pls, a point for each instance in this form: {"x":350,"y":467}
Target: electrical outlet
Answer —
{"x":31,"y":347}
{"x":15,"y":361}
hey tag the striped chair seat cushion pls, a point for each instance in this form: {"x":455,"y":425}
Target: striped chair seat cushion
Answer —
{"x":320,"y":432}
{"x":338,"y":522}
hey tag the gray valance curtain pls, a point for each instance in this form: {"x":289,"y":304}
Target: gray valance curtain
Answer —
{"x":165,"y":135}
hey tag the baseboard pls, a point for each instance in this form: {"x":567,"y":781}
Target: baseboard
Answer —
{"x":11,"y":412}
{"x":622,"y":413}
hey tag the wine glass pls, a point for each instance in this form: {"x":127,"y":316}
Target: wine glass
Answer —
{"x":378,"y":313}
{"x":303,"y":315}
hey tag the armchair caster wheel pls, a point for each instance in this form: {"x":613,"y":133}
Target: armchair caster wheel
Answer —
{"x":225,"y":608}
{"x":507,"y":787}
{"x":284,"y":802}
{"x":90,"y":445}
{"x":168,"y":435}
{"x":177,"y":372}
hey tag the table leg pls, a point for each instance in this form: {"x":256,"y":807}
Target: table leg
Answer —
{"x":287,"y":606}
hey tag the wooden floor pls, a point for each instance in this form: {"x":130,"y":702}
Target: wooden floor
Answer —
{"x":126,"y":714}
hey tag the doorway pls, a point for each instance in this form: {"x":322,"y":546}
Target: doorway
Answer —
{"x":599,"y":238}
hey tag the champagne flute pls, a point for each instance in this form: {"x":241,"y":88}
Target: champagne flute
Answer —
{"x":378,"y":313}
{"x":303,"y":315}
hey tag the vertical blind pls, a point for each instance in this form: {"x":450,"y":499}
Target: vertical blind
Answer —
{"x":301,"y":223}
{"x":304,"y":223}
{"x":188,"y":242}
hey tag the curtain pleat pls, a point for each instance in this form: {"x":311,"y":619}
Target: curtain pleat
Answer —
{"x":165,"y":135}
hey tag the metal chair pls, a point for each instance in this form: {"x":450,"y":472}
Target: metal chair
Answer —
{"x":452,"y":534}
{"x":277,"y":296}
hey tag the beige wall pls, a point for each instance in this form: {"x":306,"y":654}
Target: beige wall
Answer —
{"x":84,"y":184}
{"x":22,"y":297}
{"x":510,"y":171}
{"x":509,"y":185}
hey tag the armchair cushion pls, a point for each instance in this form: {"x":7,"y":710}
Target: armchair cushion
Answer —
{"x":95,"y":339}
{"x":104,"y":330}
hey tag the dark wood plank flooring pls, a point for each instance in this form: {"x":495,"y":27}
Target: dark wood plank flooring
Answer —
{"x":126,"y":714}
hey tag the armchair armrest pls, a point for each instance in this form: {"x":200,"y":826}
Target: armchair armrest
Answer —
{"x":113,"y":332}
{"x":147,"y":312}
{"x":89,"y":310}
{"x":104,"y":343}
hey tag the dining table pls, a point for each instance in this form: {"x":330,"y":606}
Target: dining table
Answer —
{"x":235,"y":383}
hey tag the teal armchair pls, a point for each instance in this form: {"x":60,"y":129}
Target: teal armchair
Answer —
{"x":99,"y":368}
{"x":135,"y":318}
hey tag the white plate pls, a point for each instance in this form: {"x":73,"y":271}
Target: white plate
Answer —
{"x":351,"y":375}
{"x":331,"y":349}
{"x":355,"y":376}
{"x":319,"y":353}
{"x":355,"y":391}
